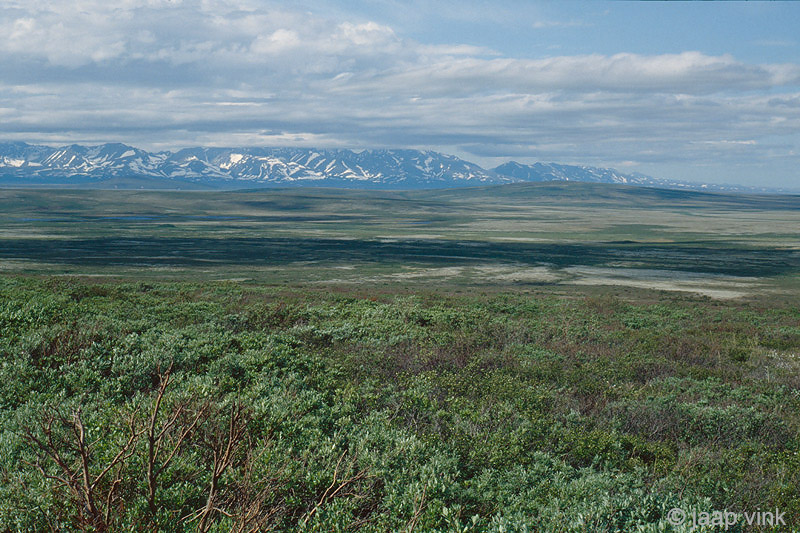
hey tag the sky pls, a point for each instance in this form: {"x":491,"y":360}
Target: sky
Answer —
{"x":698,"y":91}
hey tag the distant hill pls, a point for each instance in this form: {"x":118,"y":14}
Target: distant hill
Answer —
{"x":119,"y":166}
{"x":556,"y":172}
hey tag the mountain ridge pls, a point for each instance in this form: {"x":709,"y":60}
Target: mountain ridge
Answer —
{"x":117,"y":165}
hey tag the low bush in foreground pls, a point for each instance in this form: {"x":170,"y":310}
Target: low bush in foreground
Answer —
{"x":220,"y":407}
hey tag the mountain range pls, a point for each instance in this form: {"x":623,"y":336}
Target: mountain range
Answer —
{"x":115,"y":165}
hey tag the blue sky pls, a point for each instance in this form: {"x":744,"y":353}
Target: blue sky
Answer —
{"x":701,"y":91}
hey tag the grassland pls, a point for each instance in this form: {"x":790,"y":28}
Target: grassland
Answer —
{"x":515,"y":235}
{"x":528,"y":358}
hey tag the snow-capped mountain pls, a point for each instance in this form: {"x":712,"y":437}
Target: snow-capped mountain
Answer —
{"x":117,"y":165}
{"x":296,"y":166}
{"x":21,"y":163}
{"x":558,"y":172}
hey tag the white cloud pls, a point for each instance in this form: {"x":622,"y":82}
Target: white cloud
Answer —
{"x":749,"y":142}
{"x":158,"y":72}
{"x":368,"y":34}
{"x":279,"y":41}
{"x":58,"y":41}
{"x":685,"y":73}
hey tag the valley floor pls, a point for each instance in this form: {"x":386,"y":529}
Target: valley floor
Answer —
{"x":545,"y":358}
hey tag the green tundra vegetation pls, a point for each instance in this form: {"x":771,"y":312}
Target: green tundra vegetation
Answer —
{"x":364,"y":378}
{"x":216,"y":407}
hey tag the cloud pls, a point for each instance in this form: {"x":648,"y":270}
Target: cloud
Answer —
{"x":685,"y":73}
{"x":166,"y":74}
{"x":749,"y":142}
{"x":219,"y":36}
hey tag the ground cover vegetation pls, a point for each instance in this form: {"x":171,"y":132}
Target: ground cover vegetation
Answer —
{"x":221,"y":406}
{"x":532,"y":357}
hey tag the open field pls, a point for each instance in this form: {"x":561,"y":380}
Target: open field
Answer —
{"x":529,"y":358}
{"x":518,"y":235}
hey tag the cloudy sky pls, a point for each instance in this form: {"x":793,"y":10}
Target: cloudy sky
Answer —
{"x":696,"y":91}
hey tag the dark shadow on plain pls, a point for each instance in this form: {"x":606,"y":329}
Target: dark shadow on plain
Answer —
{"x":188,"y":252}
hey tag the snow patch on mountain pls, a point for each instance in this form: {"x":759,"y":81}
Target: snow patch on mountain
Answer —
{"x":226,"y":168}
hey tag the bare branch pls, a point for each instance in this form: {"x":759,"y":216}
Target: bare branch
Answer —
{"x":223,"y":448}
{"x":94,"y":506}
{"x":330,"y":492}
